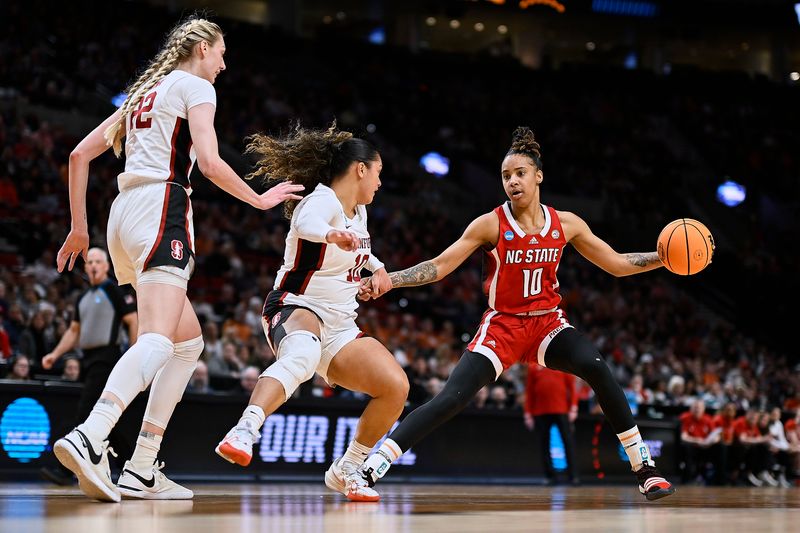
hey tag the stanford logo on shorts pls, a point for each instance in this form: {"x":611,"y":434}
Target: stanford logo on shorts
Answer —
{"x":177,"y":249}
{"x":276,"y":319}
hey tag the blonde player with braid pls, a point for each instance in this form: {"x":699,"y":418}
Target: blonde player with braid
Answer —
{"x":168,"y":120}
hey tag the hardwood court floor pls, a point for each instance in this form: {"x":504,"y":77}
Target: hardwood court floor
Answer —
{"x":404,"y":508}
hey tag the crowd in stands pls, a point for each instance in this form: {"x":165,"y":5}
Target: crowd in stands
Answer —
{"x":632,"y":148}
{"x":757,"y":448}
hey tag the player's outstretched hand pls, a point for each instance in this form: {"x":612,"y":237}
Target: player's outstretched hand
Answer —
{"x":346,"y":240}
{"x":280,"y":193}
{"x":380,"y":283}
{"x":76,"y":243}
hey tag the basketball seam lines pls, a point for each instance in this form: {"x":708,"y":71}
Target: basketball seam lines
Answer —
{"x":704,"y":241}
{"x":669,"y":240}
{"x":688,"y":257}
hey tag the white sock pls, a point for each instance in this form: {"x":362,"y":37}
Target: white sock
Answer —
{"x":101,"y":420}
{"x":147,"y":446}
{"x":356,"y":453}
{"x":637,"y":450}
{"x":252,"y":416}
{"x":380,"y":461}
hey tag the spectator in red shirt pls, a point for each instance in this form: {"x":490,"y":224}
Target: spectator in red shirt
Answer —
{"x":752,"y":448}
{"x":698,"y":435}
{"x":723,"y":424}
{"x":551,"y":398}
{"x":792,"y":430}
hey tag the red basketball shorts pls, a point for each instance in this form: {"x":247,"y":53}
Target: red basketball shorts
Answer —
{"x":508,"y":339}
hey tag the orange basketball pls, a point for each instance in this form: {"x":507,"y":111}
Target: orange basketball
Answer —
{"x":685,"y":246}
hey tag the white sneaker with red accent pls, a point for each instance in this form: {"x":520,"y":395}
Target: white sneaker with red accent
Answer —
{"x":343,"y":477}
{"x":237,"y":446}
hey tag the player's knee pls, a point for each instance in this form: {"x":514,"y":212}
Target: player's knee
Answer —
{"x":396,"y":386}
{"x":591,"y":368}
{"x":158,"y":350}
{"x":189,"y":351}
{"x":298,"y":357}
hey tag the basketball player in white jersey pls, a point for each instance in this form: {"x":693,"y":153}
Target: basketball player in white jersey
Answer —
{"x":309,"y":317}
{"x":168,"y":119}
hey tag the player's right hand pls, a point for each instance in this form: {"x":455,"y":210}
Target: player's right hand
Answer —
{"x":48,"y":361}
{"x":279,"y":193}
{"x":346,"y":240}
{"x":76,"y":243}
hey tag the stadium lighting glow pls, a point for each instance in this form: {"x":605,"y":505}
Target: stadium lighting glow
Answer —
{"x":731,"y":193}
{"x":479,"y":26}
{"x":455,"y":24}
{"x":797,"y":10}
{"x":435,"y":163}
{"x":795,"y":76}
{"x":377,"y":36}
{"x":625,"y":7}
{"x":502,"y":29}
{"x":119,"y":99}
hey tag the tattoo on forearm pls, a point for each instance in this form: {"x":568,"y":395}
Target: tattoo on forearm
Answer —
{"x":417,"y":275}
{"x":642,"y":260}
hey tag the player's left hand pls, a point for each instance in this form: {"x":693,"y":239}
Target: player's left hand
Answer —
{"x":365,"y":289}
{"x":380,"y":283}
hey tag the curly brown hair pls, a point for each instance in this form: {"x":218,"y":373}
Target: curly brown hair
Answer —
{"x":523,"y":142}
{"x":307,"y":157}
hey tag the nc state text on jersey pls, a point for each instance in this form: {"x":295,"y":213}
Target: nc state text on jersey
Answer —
{"x":539,"y":255}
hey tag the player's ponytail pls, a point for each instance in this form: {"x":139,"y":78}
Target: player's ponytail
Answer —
{"x":523,"y":142}
{"x":177,"y":48}
{"x":307,"y":157}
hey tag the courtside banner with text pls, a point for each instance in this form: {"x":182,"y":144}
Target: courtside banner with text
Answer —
{"x":304,"y":436}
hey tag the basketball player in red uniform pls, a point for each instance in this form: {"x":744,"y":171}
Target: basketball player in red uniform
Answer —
{"x":523,"y":241}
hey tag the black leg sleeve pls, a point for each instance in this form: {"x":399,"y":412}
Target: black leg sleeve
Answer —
{"x":472,"y":373}
{"x":571,"y":352}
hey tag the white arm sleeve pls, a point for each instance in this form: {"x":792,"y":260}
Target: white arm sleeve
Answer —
{"x":313,"y":219}
{"x":374,"y":263}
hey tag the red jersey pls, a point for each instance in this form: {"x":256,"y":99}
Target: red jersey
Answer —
{"x":520,"y":273}
{"x":697,"y":427}
{"x":727,"y":428}
{"x":549,"y":392}
{"x":791,"y":427}
{"x":741,"y":427}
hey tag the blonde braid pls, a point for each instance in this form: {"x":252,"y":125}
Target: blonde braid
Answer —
{"x":165,"y":62}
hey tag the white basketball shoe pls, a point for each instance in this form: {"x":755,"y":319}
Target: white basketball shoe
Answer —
{"x":237,"y":446}
{"x":88,"y":460}
{"x":343,"y":477}
{"x":150,"y":484}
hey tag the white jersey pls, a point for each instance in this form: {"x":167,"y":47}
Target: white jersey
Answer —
{"x":158,"y":146}
{"x":321,"y":272}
